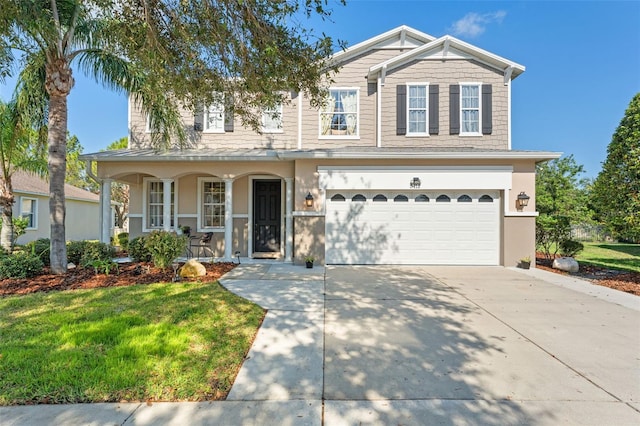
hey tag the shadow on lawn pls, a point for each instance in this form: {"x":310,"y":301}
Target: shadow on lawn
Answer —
{"x":630,"y":249}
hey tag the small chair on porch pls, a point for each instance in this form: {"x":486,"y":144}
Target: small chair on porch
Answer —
{"x":202,"y":242}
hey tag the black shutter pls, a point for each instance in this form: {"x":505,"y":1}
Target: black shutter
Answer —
{"x":401,"y":109}
{"x":434,"y":109}
{"x":198,"y":119}
{"x":454,"y":109}
{"x":486,"y":109}
{"x":228,"y":114}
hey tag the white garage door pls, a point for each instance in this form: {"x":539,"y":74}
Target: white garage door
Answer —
{"x":428,"y":228}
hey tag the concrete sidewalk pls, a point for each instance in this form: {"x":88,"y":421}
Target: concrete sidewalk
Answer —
{"x":413,"y":346}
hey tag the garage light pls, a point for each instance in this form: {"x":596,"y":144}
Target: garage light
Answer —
{"x":523,"y":200}
{"x":415,"y":182}
{"x":308,"y":200}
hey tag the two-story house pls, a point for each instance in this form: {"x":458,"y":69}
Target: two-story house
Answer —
{"x":409,"y":162}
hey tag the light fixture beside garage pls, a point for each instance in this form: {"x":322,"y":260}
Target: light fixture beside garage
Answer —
{"x":308,"y":200}
{"x":523,"y":200}
{"x":415,"y":183}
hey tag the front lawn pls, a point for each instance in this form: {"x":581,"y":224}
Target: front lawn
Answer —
{"x":158,"y":342}
{"x":611,"y":255}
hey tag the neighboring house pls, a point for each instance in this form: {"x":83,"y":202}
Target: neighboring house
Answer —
{"x":32,"y":201}
{"x":409,"y":162}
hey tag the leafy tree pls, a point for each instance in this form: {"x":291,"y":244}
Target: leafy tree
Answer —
{"x":616,"y":190}
{"x":120,"y":191}
{"x":194,"y":50}
{"x":560,"y":191}
{"x":19,"y":150}
{"x":76,"y":168}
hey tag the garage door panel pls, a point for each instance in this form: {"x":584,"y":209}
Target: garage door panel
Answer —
{"x":455,"y":233}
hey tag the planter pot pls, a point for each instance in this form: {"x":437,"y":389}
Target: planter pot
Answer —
{"x":309,"y":265}
{"x":524,"y":265}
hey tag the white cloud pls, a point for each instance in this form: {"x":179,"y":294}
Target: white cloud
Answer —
{"x":473,"y":24}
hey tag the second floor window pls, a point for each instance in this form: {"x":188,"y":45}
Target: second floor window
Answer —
{"x":417,"y":109}
{"x":339,"y":115}
{"x":214,"y":118}
{"x":272,"y":119}
{"x":470,"y":109}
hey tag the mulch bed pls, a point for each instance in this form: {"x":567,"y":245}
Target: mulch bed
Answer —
{"x":629,"y":282}
{"x":82,"y":278}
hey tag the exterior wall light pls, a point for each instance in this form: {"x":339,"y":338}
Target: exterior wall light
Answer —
{"x":523,"y":200}
{"x":415,"y":183}
{"x":308,"y":200}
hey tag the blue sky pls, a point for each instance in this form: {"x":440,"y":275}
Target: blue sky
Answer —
{"x":582,"y":59}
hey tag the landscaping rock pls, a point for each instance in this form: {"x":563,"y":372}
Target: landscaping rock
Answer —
{"x":568,"y":264}
{"x":193,"y":269}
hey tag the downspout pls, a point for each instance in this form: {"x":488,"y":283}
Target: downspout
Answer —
{"x":380,"y":84}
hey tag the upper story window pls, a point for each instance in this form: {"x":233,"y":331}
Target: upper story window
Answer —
{"x":211,"y":205}
{"x":417,"y":117}
{"x":339,"y":115}
{"x":470,"y":109}
{"x":154,"y":197}
{"x":214,"y":118}
{"x":272,"y":119}
{"x":29,"y":210}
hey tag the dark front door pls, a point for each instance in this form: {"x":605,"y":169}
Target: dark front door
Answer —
{"x":266,"y":216}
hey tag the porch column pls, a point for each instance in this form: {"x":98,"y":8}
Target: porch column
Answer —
{"x":228,"y":220}
{"x":288,"y":220}
{"x":166,"y":204}
{"x":105,"y":211}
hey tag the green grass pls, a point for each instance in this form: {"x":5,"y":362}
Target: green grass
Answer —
{"x":611,"y":255}
{"x":154,"y":342}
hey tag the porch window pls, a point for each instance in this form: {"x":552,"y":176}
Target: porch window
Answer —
{"x":28,"y":210}
{"x":339,"y":114}
{"x":212,"y":200}
{"x":155,"y":205}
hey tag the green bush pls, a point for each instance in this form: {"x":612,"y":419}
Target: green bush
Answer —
{"x":569,"y":248}
{"x":41,"y":248}
{"x":75,"y":249}
{"x":20,"y":265}
{"x":95,"y":250}
{"x":138,"y":251}
{"x":164,"y":247}
{"x":123,"y":240}
{"x":550,"y":232}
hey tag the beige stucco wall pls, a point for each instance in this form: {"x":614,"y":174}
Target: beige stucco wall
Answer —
{"x":519,"y":239}
{"x":81,"y":220}
{"x":308,"y":239}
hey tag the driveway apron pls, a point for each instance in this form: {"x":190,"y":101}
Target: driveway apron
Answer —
{"x":481,"y":345}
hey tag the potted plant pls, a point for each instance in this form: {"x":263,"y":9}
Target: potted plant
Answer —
{"x":309,"y":261}
{"x":186,"y":229}
{"x":525,"y":263}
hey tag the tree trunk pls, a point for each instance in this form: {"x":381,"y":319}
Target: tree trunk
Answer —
{"x":58,"y":84}
{"x":6,"y":205}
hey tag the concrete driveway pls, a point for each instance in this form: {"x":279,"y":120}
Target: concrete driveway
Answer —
{"x":474,"y":345}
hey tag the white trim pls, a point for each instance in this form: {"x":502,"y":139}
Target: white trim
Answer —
{"x":521,"y":214}
{"x":34,"y":213}
{"x":201,"y":181}
{"x":321,"y":112}
{"x":426,"y":108}
{"x":135,"y":215}
{"x":303,"y":213}
{"x":241,"y":216}
{"x":479,"y":86}
{"x":300,"y":94}
{"x":184,"y":215}
{"x":130,"y":131}
{"x":379,"y":113}
{"x":509,"y":114}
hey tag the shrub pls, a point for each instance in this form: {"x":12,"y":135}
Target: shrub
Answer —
{"x":123,"y":240}
{"x":96,"y":251}
{"x":550,"y":232}
{"x":138,"y":251}
{"x":75,"y":249}
{"x":41,"y":248}
{"x":164,"y":247}
{"x":20,"y":265}
{"x":569,"y":248}
{"x":102,"y":266}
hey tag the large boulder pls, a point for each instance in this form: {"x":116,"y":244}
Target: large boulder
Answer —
{"x":568,"y":264}
{"x":193,"y":269}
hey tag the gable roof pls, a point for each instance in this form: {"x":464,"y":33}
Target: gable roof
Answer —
{"x":448,"y":47}
{"x":400,"y":37}
{"x":31,"y":184}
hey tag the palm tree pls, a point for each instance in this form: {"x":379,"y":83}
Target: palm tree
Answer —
{"x":20,"y":149}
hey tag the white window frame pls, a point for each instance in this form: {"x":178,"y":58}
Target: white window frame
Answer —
{"x":214,"y":108}
{"x":479,"y":109}
{"x":322,"y":112}
{"x":426,"y":109}
{"x":145,"y":206}
{"x":33,"y":212}
{"x":267,"y":118}
{"x":200,"y":210}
